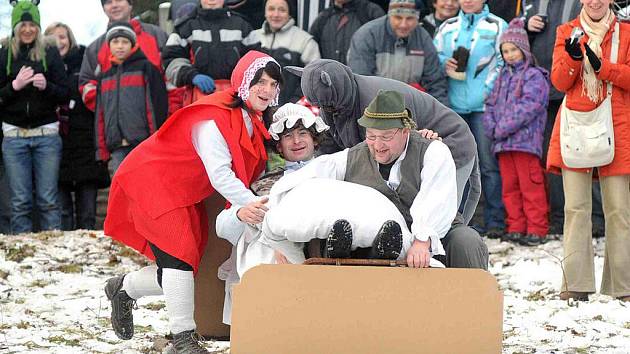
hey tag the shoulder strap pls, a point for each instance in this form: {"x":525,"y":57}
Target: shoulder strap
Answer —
{"x":614,"y":52}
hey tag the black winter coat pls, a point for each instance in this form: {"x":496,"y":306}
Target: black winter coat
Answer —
{"x":30,"y":107}
{"x":78,"y":163}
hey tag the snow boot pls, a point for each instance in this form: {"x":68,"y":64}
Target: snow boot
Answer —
{"x":339,"y":241}
{"x":388,"y":241}
{"x":187,"y":342}
{"x":122,"y":306}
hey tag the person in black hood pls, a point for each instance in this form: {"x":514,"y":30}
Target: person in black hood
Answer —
{"x":80,"y":172}
{"x":32,"y":84}
{"x":343,"y":96}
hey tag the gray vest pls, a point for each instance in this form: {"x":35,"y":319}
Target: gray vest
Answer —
{"x":362,"y":169}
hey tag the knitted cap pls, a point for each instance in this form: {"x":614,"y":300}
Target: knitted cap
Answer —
{"x":516,"y":34}
{"x":403,"y":7}
{"x":287,"y":116}
{"x":104,"y":1}
{"x":121,"y":29}
{"x":386,"y":111}
{"x":25,"y":10}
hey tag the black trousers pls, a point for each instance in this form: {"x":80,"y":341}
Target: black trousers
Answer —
{"x":165,"y":260}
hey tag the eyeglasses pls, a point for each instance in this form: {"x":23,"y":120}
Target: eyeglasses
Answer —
{"x":383,"y":138}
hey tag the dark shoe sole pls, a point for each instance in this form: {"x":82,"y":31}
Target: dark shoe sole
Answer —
{"x":339,"y":241}
{"x":388,"y":241}
{"x":110,"y":292}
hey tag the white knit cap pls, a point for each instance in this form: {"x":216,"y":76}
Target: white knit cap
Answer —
{"x":287,"y":116}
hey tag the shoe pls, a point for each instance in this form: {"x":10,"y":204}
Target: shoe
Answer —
{"x":339,"y":241}
{"x":388,"y":241}
{"x":624,"y":298}
{"x":187,"y":342}
{"x":532,"y":240}
{"x":122,"y":307}
{"x":512,"y":237}
{"x":575,"y":295}
{"x":494,"y":233}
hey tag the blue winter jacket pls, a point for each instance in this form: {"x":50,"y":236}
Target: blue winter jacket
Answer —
{"x":480,"y":34}
{"x":516,"y":112}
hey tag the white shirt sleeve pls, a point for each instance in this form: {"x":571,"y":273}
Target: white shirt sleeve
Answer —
{"x":228,"y":226}
{"x":435,"y":206}
{"x":215,"y":155}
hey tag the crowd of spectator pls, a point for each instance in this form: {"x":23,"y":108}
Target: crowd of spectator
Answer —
{"x":70,"y":112}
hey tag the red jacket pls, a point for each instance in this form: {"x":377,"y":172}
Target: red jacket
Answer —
{"x":96,"y":60}
{"x":165,"y":172}
{"x":566,"y":76}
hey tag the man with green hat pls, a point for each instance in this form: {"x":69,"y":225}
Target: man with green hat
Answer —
{"x":416,"y":174}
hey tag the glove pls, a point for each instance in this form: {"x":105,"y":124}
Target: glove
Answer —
{"x":39,"y":81}
{"x":596,"y":63}
{"x":204,"y":83}
{"x":573,"y":48}
{"x":23,"y":78}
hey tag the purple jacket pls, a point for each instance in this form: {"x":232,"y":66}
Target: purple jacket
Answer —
{"x":516,"y":111}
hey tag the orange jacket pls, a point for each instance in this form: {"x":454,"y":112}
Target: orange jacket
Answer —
{"x":566,"y":76}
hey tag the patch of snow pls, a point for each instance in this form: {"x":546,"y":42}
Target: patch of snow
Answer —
{"x":52,"y":300}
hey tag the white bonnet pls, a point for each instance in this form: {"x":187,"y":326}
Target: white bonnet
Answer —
{"x":289,"y":114}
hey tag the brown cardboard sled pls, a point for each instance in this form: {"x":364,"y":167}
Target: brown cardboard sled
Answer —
{"x":357,"y":309}
{"x":209,"y":290}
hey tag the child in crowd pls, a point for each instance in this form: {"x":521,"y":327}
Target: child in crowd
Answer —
{"x":514,"y":120}
{"x":131,"y":99}
{"x":296,"y":133}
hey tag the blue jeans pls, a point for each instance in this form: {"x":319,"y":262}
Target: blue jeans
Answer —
{"x":5,"y":205}
{"x":33,"y":163}
{"x":493,"y":211}
{"x":80,"y":213}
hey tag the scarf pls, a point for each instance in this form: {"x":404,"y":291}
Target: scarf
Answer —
{"x":592,"y":86}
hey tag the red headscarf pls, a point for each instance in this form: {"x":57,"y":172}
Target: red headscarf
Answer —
{"x":246,"y":69}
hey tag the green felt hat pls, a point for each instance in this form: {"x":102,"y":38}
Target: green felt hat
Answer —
{"x":387,"y":111}
{"x":25,"y":10}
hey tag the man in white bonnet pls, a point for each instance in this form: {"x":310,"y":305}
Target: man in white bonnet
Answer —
{"x":296,"y":132}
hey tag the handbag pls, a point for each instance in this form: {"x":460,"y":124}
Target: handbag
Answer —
{"x":587,"y":139}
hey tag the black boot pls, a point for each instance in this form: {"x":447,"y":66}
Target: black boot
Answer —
{"x":533,"y":240}
{"x":514,"y":237}
{"x":339,"y":241}
{"x":122,"y":307}
{"x":187,"y":342}
{"x":388,"y":241}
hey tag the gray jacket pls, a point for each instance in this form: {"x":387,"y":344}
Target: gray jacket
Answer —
{"x":375,"y":50}
{"x":542,"y":43}
{"x":342,"y":97}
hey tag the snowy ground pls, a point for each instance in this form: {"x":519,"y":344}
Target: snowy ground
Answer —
{"x":51,"y":300}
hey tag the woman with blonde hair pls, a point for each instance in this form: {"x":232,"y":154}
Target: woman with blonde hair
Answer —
{"x":80,"y":174}
{"x":32,"y":85}
{"x":591,"y":64}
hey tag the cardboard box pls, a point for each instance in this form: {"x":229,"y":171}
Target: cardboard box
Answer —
{"x":209,"y":290}
{"x":331,"y":309}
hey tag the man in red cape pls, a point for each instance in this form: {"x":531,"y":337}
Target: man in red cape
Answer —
{"x":156,"y":198}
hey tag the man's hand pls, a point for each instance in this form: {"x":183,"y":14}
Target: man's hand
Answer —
{"x":280,"y":258}
{"x":429,"y":134}
{"x":450,"y":64}
{"x":535,"y":24}
{"x":418,"y":255}
{"x":254,"y":212}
